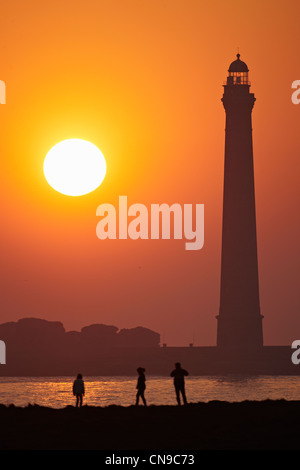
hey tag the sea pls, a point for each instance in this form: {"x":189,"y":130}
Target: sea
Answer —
{"x":56,"y":392}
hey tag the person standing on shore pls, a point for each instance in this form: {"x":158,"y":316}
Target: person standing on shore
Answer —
{"x":141,"y":386}
{"x":78,"y":390}
{"x":178,"y":373}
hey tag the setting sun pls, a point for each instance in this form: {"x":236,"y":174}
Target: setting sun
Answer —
{"x":74,"y":167}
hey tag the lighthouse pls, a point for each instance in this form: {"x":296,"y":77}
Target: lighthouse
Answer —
{"x":239,"y":319}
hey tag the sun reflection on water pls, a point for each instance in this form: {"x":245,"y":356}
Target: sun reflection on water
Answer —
{"x":103,"y":391}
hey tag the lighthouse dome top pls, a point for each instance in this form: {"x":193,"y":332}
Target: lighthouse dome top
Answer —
{"x":238,"y":65}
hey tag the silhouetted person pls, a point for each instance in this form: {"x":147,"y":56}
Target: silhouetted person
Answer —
{"x":178,"y":373}
{"x":78,"y":390}
{"x":141,"y":385}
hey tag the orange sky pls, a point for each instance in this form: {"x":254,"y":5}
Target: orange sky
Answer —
{"x":142,"y":80}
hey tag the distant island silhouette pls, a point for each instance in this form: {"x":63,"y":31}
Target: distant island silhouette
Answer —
{"x":41,"y":347}
{"x":37,"y":347}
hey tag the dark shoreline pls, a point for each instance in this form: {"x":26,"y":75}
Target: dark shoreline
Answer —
{"x":248,"y":425}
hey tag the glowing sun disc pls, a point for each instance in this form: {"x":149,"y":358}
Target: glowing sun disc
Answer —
{"x":74,"y":167}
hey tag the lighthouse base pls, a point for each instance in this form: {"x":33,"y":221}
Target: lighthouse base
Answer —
{"x":241,"y":333}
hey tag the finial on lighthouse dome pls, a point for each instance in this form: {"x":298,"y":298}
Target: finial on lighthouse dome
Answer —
{"x":238,"y":65}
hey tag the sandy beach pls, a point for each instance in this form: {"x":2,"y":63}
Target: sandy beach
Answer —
{"x":202,"y":426}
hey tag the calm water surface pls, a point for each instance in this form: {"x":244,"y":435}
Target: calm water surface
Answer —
{"x":103,"y":391}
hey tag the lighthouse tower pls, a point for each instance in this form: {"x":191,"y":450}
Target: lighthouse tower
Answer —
{"x":239,"y":319}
